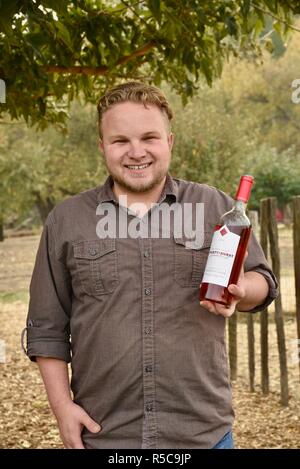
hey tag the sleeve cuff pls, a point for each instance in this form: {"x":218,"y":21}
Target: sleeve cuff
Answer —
{"x":273,"y":290}
{"x":51,"y":349}
{"x":47,"y":343}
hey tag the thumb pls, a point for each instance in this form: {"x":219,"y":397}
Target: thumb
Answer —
{"x":236,"y":290}
{"x":90,"y":424}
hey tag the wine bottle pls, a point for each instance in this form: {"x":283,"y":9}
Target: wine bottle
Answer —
{"x":228,"y":248}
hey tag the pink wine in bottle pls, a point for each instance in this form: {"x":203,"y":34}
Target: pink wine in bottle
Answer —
{"x":228,"y":248}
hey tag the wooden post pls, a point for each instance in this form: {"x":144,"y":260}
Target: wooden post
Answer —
{"x":296,"y":239}
{"x":274,"y":251}
{"x":232,"y":339}
{"x":1,"y":227}
{"x":253,"y":217}
{"x":264,"y":341}
{"x":251,"y":352}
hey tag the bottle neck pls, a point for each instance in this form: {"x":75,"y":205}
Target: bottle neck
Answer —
{"x":240,"y":206}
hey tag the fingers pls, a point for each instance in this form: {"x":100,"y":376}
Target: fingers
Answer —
{"x":219,"y":309}
{"x":72,"y":440}
{"x":77,"y":444}
{"x":90,"y":424}
{"x":209,"y":306}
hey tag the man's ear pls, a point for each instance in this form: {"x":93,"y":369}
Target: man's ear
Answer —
{"x":171,"y":140}
{"x":100,"y":145}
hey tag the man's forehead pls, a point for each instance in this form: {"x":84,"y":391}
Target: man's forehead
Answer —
{"x":120,"y":109}
{"x":148,"y":118}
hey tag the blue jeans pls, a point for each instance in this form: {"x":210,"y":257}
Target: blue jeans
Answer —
{"x":226,"y":442}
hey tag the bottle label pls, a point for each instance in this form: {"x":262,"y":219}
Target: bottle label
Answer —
{"x":221,"y":257}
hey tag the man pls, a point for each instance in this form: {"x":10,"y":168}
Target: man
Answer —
{"x":149,"y":367}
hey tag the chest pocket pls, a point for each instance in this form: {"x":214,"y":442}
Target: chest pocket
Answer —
{"x":189,"y":264}
{"x":97,"y":265}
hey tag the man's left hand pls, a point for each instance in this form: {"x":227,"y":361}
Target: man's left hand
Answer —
{"x":238,"y":292}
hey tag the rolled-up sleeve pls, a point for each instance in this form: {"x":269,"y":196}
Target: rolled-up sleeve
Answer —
{"x":256,"y":262}
{"x":48,"y":320}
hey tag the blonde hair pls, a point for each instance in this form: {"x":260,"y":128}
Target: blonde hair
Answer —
{"x":135,"y":92}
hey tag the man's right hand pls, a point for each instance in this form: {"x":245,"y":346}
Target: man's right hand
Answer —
{"x":71,"y":420}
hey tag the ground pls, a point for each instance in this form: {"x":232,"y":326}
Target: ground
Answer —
{"x":27,"y":422}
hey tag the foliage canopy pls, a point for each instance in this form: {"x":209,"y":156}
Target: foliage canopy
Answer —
{"x":52,"y":51}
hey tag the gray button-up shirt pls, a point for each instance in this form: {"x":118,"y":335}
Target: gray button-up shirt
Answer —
{"x":148,"y":362}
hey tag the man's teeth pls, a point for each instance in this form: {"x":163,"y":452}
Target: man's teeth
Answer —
{"x":141,"y":166}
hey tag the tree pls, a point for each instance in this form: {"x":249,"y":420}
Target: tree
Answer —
{"x":246,"y":122}
{"x":276,"y":175}
{"x":51,"y":51}
{"x":40,"y":169}
{"x":262,"y":95}
{"x":209,"y":138}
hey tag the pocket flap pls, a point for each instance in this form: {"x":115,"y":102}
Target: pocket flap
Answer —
{"x":195,"y":244}
{"x":93,"y":249}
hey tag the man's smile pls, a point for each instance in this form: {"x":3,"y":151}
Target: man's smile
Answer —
{"x":137,"y":167}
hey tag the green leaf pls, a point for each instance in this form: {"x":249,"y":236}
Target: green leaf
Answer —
{"x":60,"y":6}
{"x":277,"y":27}
{"x":245,"y":8}
{"x":64,"y":34}
{"x":154,"y":6}
{"x":8,"y":8}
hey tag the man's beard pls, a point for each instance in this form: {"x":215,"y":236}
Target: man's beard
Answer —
{"x":141,"y":186}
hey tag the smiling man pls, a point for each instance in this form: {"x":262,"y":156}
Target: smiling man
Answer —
{"x":149,"y":365}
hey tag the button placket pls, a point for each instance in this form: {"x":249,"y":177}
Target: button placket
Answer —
{"x":149,"y":437}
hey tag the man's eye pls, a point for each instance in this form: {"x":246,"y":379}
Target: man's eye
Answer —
{"x":119,"y":141}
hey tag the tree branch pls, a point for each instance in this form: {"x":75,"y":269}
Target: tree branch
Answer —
{"x":103,"y":70}
{"x":267,"y":12}
{"x":288,"y":117}
{"x":12,"y":123}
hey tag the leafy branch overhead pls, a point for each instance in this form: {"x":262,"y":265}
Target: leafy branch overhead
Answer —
{"x":52,"y":51}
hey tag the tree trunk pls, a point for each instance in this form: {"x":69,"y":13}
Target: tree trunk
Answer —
{"x":264,"y":342}
{"x":296,"y":239}
{"x":1,"y":231}
{"x":44,"y":206}
{"x":274,"y":250}
{"x":232,"y":338}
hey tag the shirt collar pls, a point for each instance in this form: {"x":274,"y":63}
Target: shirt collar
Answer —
{"x":105,"y":192}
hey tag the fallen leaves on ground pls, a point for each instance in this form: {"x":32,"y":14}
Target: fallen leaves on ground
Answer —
{"x":27,"y":421}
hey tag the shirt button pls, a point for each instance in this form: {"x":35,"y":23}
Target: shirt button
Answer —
{"x":147,"y":291}
{"x":149,"y":407}
{"x":146,"y":254}
{"x":148,"y":330}
{"x":92,"y":251}
{"x":148,"y":369}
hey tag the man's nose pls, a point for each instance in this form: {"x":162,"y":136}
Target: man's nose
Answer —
{"x":136,"y":150}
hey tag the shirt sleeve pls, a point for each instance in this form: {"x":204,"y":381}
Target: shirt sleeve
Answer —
{"x":48,"y":319}
{"x":256,"y":262}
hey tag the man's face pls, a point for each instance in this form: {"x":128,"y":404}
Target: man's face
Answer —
{"x":137,"y":145}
